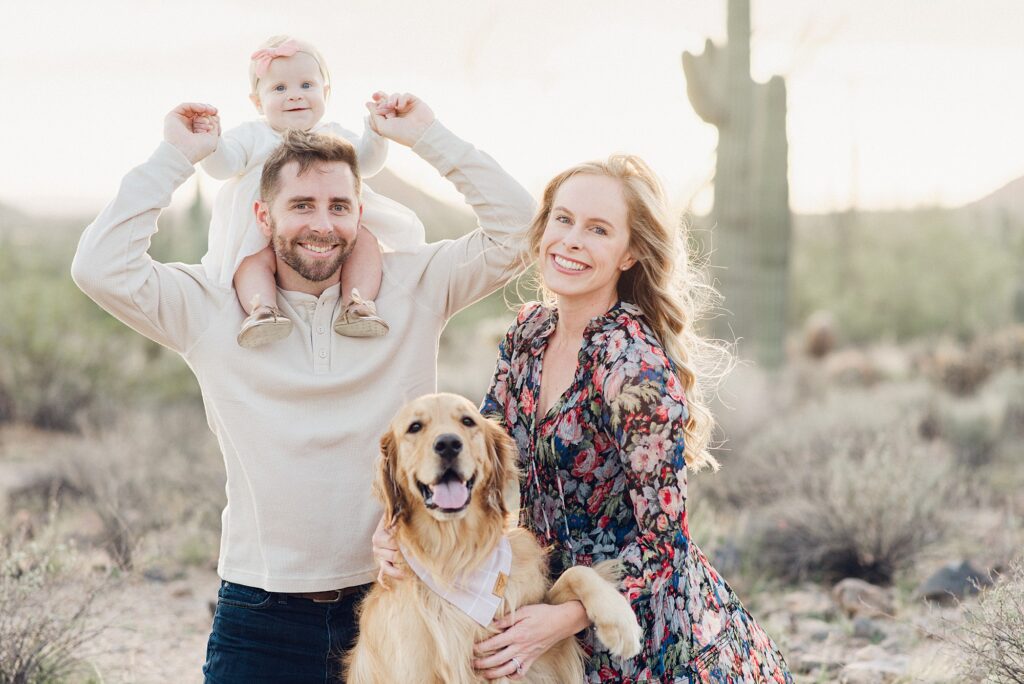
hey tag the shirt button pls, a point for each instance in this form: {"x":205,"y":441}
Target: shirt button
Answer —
{"x":323,"y":353}
{"x":320,"y":330}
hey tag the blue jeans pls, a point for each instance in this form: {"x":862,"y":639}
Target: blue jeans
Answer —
{"x":260,"y":636}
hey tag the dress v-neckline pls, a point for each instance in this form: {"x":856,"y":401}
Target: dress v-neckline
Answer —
{"x":539,"y":417}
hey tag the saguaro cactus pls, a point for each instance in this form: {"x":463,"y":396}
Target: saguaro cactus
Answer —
{"x":751,"y":218}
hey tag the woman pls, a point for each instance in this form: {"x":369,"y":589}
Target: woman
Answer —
{"x":599,"y":389}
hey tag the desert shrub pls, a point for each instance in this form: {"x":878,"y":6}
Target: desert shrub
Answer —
{"x":150,"y":472}
{"x":973,"y":426}
{"x":842,"y":486}
{"x":65,"y":362}
{"x":802,"y":438}
{"x":861,"y":512}
{"x":991,"y":637}
{"x":46,"y":602}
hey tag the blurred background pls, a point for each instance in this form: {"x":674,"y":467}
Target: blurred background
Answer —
{"x":852,"y":178}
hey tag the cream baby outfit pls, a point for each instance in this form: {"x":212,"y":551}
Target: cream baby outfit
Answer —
{"x":239,"y":158}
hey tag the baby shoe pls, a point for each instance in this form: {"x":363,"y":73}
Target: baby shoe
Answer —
{"x":359,"y":319}
{"x":264,"y":325}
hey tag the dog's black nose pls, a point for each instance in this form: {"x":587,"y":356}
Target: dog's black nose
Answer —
{"x":448,"y":446}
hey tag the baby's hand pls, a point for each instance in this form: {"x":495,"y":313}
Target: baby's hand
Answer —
{"x":206,"y":124}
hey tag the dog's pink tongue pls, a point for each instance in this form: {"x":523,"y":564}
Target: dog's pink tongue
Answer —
{"x":451,"y":494}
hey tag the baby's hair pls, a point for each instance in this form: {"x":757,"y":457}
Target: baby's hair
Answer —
{"x":308,"y":48}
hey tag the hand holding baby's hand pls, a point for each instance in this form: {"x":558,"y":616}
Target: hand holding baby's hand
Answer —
{"x":206,"y":124}
{"x":402,"y":117}
{"x":193,"y":128}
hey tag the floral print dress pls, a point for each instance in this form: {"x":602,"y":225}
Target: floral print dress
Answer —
{"x":604,"y":477}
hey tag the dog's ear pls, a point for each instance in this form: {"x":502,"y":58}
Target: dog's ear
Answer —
{"x":385,"y":486}
{"x":504,"y":483}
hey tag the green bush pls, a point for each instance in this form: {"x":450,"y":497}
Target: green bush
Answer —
{"x":901,"y":275}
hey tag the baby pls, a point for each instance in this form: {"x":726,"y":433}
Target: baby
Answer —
{"x":289,"y":85}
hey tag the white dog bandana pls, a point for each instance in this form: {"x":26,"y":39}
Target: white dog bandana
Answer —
{"x":478,"y":594}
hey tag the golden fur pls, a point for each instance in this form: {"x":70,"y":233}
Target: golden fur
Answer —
{"x":407,"y":633}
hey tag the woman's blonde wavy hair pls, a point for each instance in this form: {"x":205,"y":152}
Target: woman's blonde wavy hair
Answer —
{"x":671,"y":290}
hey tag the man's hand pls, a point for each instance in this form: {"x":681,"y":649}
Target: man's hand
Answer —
{"x":194,"y":129}
{"x":400,"y":117}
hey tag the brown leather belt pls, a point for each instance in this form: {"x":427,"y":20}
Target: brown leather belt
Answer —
{"x":330,"y":596}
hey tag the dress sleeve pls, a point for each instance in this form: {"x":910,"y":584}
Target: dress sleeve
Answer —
{"x":644,"y":411}
{"x":371,"y":148}
{"x":495,"y":403}
{"x":233,"y":153}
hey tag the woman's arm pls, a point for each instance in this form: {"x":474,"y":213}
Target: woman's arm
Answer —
{"x":644,"y":411}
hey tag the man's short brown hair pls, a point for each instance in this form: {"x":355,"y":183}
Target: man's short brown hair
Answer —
{"x":309,"y":150}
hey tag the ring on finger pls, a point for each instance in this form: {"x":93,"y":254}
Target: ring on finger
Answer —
{"x":518,"y":664}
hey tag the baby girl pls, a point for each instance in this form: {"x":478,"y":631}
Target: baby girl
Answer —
{"x":289,"y":85}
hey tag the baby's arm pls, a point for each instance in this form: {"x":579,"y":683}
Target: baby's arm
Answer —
{"x":364,"y":267}
{"x":231,"y":157}
{"x":371,"y":148}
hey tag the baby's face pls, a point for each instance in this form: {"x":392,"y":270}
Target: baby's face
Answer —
{"x":292,"y":93}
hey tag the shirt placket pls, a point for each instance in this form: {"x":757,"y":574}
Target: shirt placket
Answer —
{"x":320,"y":326}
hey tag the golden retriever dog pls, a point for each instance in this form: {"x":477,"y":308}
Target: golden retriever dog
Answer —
{"x":443,"y":472}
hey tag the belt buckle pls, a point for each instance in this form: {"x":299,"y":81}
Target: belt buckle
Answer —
{"x":338,"y":595}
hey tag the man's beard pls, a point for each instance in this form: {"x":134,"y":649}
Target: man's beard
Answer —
{"x":312,"y":270}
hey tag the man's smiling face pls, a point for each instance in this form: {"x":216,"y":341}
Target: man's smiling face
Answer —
{"x":312,"y":223}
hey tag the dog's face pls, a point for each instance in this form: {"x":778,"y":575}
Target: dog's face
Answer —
{"x":441,"y":456}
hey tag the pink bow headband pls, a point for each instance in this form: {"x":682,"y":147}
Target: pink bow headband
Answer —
{"x":264,"y":56}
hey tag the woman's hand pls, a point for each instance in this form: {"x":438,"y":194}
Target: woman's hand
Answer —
{"x":385,"y":552}
{"x":528,"y":633}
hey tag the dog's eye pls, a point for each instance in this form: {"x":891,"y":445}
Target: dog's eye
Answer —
{"x":415,"y":426}
{"x":468,"y":422}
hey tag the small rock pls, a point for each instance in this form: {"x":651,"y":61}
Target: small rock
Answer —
{"x":813,"y":629}
{"x":880,"y":671}
{"x":158,"y":574}
{"x":857,"y":598}
{"x":816,"y":661}
{"x":953,"y":582}
{"x":810,"y":602}
{"x":866,"y":628}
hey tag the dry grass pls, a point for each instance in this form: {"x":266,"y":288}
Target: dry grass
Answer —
{"x":147,"y":474}
{"x":46,"y":600}
{"x":991,"y":637}
{"x":844,"y":486}
{"x":862,"y":512}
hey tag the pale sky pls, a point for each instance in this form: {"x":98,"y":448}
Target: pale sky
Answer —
{"x":891,"y":103}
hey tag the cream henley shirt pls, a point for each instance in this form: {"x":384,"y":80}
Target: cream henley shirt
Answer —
{"x":299,"y":421}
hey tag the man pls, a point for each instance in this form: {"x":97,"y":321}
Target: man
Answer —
{"x":298,"y":420}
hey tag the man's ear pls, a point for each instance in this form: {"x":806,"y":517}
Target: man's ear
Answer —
{"x":262,"y":211}
{"x":255,"y":99}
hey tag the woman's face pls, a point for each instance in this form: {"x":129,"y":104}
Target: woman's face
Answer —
{"x":585,"y":245}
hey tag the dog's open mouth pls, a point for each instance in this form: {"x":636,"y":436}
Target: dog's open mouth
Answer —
{"x":450,"y":494}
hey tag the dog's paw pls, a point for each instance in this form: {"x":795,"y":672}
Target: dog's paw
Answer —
{"x":620,"y":634}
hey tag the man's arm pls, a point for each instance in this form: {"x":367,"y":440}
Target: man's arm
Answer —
{"x":473,"y":266}
{"x":166,"y":303}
